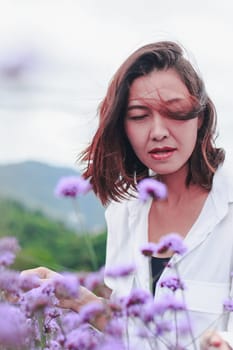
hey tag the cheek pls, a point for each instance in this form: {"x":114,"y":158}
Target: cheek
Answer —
{"x":135,"y":136}
{"x":190,"y":134}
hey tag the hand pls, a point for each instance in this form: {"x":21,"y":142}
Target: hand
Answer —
{"x":42,"y":272}
{"x":85,"y":296}
{"x":212,"y":341}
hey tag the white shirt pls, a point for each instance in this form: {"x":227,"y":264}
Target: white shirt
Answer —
{"x":206,"y":267}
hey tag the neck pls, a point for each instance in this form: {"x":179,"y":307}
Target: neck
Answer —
{"x":176,"y":185}
{"x":178,"y":192}
{"x":180,"y":175}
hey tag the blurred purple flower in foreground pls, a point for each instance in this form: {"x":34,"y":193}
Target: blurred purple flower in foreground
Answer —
{"x":173,"y":283}
{"x":228,"y":305}
{"x":14,"y":329}
{"x":120,"y":271}
{"x":82,"y":338}
{"x":8,"y":248}
{"x":16,"y":60}
{"x":169,"y":302}
{"x":72,"y":186}
{"x":9,"y":244}
{"x":66,"y":285}
{"x":7,"y":258}
{"x":137,"y":296}
{"x":151,"y":188}
{"x":94,"y":279}
{"x":149,"y":249}
{"x":90,"y":311}
{"x":173,"y":242}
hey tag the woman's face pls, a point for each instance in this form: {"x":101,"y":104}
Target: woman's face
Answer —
{"x":161,"y":143}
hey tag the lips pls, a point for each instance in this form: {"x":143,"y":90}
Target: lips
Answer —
{"x":162,"y":153}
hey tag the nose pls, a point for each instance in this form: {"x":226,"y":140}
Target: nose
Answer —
{"x":159,"y":129}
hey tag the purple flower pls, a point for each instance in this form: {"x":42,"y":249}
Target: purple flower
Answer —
{"x":54,"y":345}
{"x":149,"y":249}
{"x":16,"y":61}
{"x":9,"y":281}
{"x":51,"y":326}
{"x":112,"y":344}
{"x":70,"y":321}
{"x":163,"y":326}
{"x":9,"y":244}
{"x":8,"y":248}
{"x":72,"y":186}
{"x":151,"y":188}
{"x":94,"y":280}
{"x":116,"y":307}
{"x":120,"y":271}
{"x":38,"y":298}
{"x":184,"y":326}
{"x":228,"y":305}
{"x":7,"y":258}
{"x":53,"y":312}
{"x":148,"y":312}
{"x":28,"y":282}
{"x":143,"y":332}
{"x":173,"y":283}
{"x":137,"y":296}
{"x":14,"y":329}
{"x":90,"y":311}
{"x":169,"y":302}
{"x":115,"y":328}
{"x":173,"y":242}
{"x":66,"y":286}
{"x":84,"y":338}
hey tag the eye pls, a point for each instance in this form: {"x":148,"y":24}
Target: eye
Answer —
{"x":137,"y":117}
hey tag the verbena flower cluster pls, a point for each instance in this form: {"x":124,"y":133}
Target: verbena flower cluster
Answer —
{"x":72,"y":186}
{"x":151,"y":188}
{"x":31,"y":318}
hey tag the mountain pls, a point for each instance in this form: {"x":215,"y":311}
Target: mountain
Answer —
{"x":32,"y":183}
{"x":46,"y":242}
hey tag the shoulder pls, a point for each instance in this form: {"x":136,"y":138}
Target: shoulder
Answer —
{"x":122,"y":208}
{"x":221,"y":194}
{"x":223,"y":183}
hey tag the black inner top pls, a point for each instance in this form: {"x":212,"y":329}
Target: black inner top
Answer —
{"x":157,"y":267}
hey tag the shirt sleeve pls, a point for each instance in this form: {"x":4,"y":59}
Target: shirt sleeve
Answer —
{"x":118,"y":252}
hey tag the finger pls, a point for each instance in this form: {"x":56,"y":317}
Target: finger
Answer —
{"x":39,"y":271}
{"x":215,"y":341}
{"x":211,"y":340}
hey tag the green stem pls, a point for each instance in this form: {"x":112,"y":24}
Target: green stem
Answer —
{"x":41,"y":329}
{"x":87,"y":237}
{"x":187,"y":313}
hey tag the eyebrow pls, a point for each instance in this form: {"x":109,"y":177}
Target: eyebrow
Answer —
{"x":169,"y":102}
{"x":136,"y":107}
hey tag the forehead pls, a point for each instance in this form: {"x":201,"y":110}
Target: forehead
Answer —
{"x":163,"y":85}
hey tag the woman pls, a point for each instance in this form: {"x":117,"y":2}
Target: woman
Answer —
{"x":157,"y":117}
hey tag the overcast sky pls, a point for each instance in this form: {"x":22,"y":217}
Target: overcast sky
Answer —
{"x":67,"y":51}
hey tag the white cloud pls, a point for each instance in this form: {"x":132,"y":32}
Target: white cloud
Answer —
{"x":54,"y":137}
{"x":81,"y":44}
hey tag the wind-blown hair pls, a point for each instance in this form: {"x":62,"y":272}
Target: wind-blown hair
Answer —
{"x":111,"y":161}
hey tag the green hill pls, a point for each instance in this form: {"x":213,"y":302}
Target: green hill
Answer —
{"x":32,"y":183}
{"x":47,"y":242}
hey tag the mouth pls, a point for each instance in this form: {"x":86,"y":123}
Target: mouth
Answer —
{"x":162,"y":153}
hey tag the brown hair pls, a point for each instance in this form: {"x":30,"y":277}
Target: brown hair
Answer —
{"x":111,"y":161}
